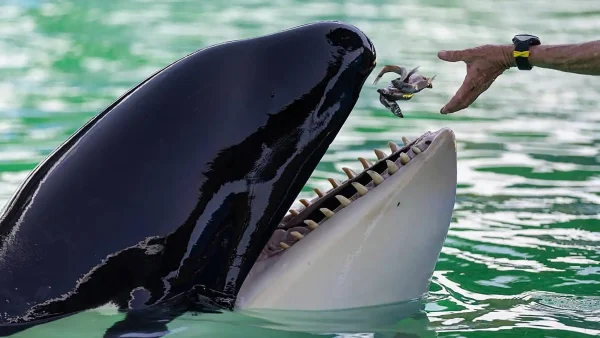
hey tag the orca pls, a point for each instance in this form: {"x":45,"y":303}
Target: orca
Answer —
{"x":163,"y":202}
{"x":177,"y":197}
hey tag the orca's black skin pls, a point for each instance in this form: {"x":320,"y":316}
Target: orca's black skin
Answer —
{"x":178,"y":185}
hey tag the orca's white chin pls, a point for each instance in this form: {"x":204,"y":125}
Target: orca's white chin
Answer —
{"x":371,"y":240}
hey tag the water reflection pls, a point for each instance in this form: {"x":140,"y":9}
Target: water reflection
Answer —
{"x":394,"y":320}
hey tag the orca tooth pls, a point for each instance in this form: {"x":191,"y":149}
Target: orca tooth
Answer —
{"x":392,"y":167}
{"x":377,"y":179}
{"x":305,"y":202}
{"x":404,"y":158}
{"x":296,"y":234}
{"x":393,"y":146}
{"x":405,"y":140}
{"x":380,"y":154}
{"x":312,"y":225}
{"x":335,"y":183}
{"x":365,"y":163}
{"x":415,"y":149}
{"x":319,"y":192}
{"x":360,"y":188}
{"x":328,"y":213}
{"x":349,"y":172}
{"x":343,"y":200}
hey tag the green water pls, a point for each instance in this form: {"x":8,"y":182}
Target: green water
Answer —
{"x":522,"y":256}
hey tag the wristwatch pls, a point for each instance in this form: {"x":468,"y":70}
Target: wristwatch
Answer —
{"x":522,"y":43}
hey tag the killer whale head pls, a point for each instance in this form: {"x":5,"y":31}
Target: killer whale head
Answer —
{"x":179,"y":184}
{"x":180,"y":190}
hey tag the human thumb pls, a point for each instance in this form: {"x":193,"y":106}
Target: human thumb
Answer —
{"x":451,"y":55}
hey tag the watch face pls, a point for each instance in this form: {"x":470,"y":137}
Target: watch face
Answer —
{"x":524,"y":37}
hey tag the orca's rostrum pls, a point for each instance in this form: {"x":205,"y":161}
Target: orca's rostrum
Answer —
{"x":164,"y":200}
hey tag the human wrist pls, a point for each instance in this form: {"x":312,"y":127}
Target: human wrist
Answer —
{"x":507,"y":56}
{"x":535,"y":56}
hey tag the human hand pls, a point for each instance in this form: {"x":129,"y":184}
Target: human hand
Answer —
{"x":484,"y":64}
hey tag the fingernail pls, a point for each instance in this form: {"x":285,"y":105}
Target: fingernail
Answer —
{"x":442,"y":110}
{"x":442,"y":54}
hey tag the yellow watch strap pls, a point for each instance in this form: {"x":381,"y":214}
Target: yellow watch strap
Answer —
{"x":524,"y":54}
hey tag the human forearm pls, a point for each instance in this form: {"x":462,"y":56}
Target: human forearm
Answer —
{"x":580,"y":58}
{"x":485,"y":63}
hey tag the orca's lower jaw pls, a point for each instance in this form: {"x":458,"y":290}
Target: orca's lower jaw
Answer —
{"x":372,"y":239}
{"x":316,"y":212}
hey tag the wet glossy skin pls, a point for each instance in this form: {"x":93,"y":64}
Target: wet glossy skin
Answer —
{"x":179,"y":184}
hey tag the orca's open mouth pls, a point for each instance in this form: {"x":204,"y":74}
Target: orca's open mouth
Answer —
{"x":299,"y":223}
{"x":366,"y":241}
